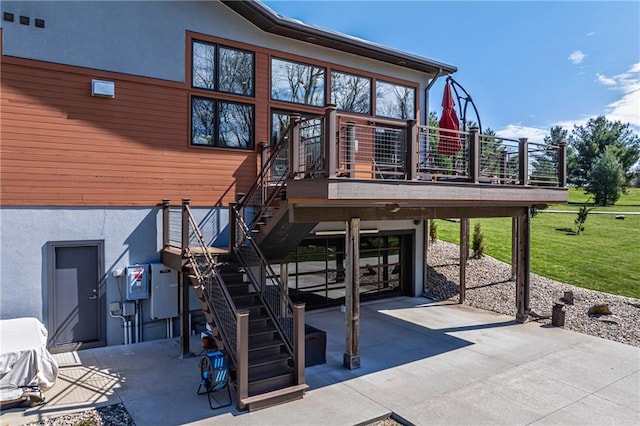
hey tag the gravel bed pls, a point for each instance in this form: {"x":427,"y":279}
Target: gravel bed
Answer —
{"x":111,"y":415}
{"x":490,"y":287}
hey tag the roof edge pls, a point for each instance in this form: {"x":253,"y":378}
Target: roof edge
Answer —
{"x":268,"y":20}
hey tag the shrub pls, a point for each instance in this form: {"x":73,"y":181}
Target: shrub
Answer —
{"x":581,"y":218}
{"x":433,"y":231}
{"x":478,"y":244}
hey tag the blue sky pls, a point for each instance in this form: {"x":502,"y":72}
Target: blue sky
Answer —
{"x":527,"y":65}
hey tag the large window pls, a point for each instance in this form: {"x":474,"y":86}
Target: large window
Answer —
{"x":221,"y":124}
{"x":297,"y":82}
{"x":351,"y":93}
{"x":395,"y":101}
{"x":222,"y":69}
{"x":216,"y":122}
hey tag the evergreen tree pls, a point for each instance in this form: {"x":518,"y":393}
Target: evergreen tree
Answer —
{"x":605,"y":179}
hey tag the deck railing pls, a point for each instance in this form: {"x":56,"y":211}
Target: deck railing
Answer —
{"x":347,"y":146}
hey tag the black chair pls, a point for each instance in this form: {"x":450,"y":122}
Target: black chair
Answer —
{"x":214,"y":375}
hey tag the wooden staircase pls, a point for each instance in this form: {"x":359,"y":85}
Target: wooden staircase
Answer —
{"x":271,"y":368}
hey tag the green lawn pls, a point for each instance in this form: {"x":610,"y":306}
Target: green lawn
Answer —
{"x":628,"y":202}
{"x":606,"y":257}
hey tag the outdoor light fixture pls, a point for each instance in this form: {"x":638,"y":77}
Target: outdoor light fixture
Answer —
{"x":342,"y":232}
{"x":393,"y":208}
{"x":105,"y":89}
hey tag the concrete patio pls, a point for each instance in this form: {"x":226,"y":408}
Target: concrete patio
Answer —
{"x":428,"y":363}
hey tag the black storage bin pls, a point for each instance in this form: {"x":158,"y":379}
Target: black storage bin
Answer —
{"x":315,"y":343}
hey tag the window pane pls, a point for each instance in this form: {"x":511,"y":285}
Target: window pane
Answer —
{"x":351,"y":92}
{"x":235,"y":71}
{"x":202,"y":121}
{"x":236,"y":123}
{"x":204,"y":59}
{"x":395,"y":101}
{"x":296,"y":82}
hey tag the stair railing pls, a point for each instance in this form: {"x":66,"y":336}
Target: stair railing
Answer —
{"x":218,"y":299}
{"x":273,"y":293}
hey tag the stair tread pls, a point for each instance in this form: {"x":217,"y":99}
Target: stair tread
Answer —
{"x":270,"y":375}
{"x":254,"y":346}
{"x":267,"y":359}
{"x":274,"y":394}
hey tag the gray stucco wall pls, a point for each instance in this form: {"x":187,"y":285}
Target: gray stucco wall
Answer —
{"x":147,"y":38}
{"x":130,"y":236}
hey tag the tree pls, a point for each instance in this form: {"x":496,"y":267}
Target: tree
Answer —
{"x":590,"y":141}
{"x":606,"y":178}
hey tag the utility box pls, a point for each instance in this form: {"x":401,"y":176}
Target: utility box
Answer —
{"x":164,"y":292}
{"x":137,"y":286}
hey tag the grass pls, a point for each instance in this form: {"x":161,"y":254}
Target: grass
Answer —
{"x":629,"y":202}
{"x":605,"y":257}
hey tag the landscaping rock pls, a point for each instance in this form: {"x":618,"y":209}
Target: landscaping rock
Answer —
{"x":620,"y":217}
{"x":601,"y":309}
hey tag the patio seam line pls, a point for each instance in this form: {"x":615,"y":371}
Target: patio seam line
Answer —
{"x":612,"y":383}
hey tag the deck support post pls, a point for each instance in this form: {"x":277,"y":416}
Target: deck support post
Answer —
{"x":185,"y":333}
{"x":330,"y":136}
{"x":183,"y":284}
{"x":514,"y":247}
{"x":351,"y":358}
{"x":425,"y":255}
{"x":464,"y":254}
{"x":350,"y":155}
{"x":522,"y":278}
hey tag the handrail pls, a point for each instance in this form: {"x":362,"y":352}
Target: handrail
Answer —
{"x":268,"y":286}
{"x":221,"y":305}
{"x":257,"y":193}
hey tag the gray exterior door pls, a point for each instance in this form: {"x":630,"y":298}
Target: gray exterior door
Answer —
{"x":75,"y":297}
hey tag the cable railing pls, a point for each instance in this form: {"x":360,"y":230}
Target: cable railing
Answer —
{"x":499,"y":160}
{"x":216,"y":295}
{"x":265,"y":282}
{"x":174,"y":226}
{"x":544,"y":163}
{"x":442,"y":156}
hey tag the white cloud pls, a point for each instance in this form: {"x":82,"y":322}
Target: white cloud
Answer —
{"x":590,"y":33}
{"x":627,"y":108}
{"x":577,"y":57}
{"x":516,"y":131}
{"x":605,"y":80}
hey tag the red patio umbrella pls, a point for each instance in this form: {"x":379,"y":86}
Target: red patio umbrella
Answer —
{"x":449,"y":142}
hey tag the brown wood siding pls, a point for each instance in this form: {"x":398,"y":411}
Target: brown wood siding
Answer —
{"x":63,"y":147}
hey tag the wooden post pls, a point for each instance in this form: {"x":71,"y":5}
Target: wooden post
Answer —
{"x":425,"y":237}
{"x":514,"y":247}
{"x":411,"y":158}
{"x":330,"y":140}
{"x":464,"y":251}
{"x":298,"y":342}
{"x":165,"y":223}
{"x":184,"y":283}
{"x":242,"y":357}
{"x":294,"y":146}
{"x":351,"y":358}
{"x":562,"y":165}
{"x":185,"y":333}
{"x":185,"y":225}
{"x":522,"y":279}
{"x":523,"y":161}
{"x":474,"y":154}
